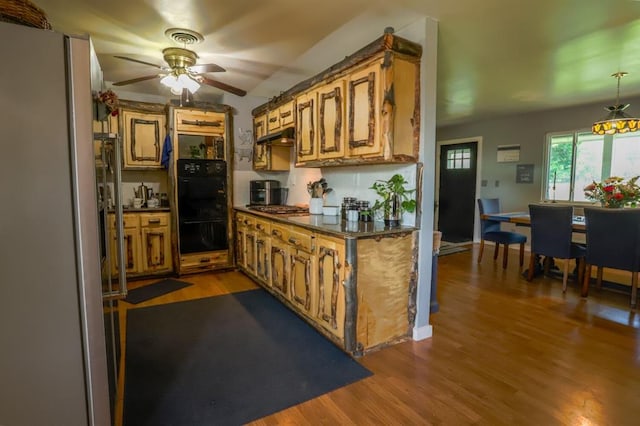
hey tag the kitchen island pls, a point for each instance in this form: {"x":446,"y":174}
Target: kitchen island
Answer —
{"x":354,"y":282}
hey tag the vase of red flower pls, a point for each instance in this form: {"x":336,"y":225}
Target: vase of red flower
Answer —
{"x":614,"y":192}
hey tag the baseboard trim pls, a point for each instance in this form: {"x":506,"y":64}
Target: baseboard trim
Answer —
{"x":424,"y":332}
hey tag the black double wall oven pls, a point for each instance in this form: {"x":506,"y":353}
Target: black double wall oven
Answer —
{"x":202,"y":205}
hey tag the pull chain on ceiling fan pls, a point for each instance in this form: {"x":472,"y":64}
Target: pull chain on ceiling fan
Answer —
{"x":183,"y":71}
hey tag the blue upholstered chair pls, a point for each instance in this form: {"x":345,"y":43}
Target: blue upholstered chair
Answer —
{"x":613,"y":241}
{"x":490,"y":231}
{"x":551,"y":237}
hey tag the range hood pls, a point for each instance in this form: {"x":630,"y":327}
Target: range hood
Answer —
{"x":285,"y":137}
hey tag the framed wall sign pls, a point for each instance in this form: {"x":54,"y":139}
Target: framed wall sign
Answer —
{"x":524,"y":173}
{"x":508,"y":153}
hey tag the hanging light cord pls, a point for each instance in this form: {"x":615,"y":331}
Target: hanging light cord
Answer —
{"x":618,"y":75}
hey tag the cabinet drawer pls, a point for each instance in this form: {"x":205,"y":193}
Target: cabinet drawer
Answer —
{"x":200,"y":121}
{"x":203,"y":260}
{"x":247,"y":221}
{"x":154,"y":219}
{"x":273,"y":120}
{"x":279,"y":232}
{"x":287,"y":114}
{"x":301,"y":240}
{"x":129,"y":220}
{"x":263,"y":225}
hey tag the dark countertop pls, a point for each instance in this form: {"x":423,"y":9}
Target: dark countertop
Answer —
{"x":143,"y":210}
{"x":333,"y":224}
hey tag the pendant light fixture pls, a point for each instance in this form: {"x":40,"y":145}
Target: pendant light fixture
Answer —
{"x":617,"y":121}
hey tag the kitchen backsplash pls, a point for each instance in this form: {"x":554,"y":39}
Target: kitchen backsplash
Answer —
{"x":345,"y":181}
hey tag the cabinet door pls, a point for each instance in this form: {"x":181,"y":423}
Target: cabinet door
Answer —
{"x":330,"y":275}
{"x":143,"y":136}
{"x":259,"y":150}
{"x":250,"y":250}
{"x":200,"y":122}
{"x":156,"y":249}
{"x":263,"y":251}
{"x":301,"y":280}
{"x":306,"y":135}
{"x":279,"y":260}
{"x":240,"y":241}
{"x":156,"y":242}
{"x":287,"y":114}
{"x":131,"y":240}
{"x":273,"y":120}
{"x":331,"y":120}
{"x":363,"y":109}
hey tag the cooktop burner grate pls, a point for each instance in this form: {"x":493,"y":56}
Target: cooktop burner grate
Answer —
{"x":280,"y":209}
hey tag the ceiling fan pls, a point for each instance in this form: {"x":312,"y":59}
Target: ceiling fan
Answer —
{"x":182,"y":73}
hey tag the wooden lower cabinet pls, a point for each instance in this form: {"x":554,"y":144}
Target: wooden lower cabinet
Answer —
{"x":358,"y":291}
{"x":330,"y":268}
{"x":147,"y":243}
{"x":156,"y":242}
{"x":263,"y":251}
{"x":131,"y":240}
{"x":279,"y":260}
{"x":302,"y":281}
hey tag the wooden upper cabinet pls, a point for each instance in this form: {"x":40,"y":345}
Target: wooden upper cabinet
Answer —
{"x":200,"y":121}
{"x":259,"y":150}
{"x":267,"y":157}
{"x":281,"y":117}
{"x":363,"y":108}
{"x":306,"y":132}
{"x":143,"y":135}
{"x":375,"y":92}
{"x":331,"y":120}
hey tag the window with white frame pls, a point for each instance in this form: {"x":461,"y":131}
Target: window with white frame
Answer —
{"x":576,"y":159}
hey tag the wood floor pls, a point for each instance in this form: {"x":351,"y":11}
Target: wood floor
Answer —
{"x":504,"y":351}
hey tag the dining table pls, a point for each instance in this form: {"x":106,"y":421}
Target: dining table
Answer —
{"x":523,"y":219}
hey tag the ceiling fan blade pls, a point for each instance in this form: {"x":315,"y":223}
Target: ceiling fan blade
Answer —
{"x":140,"y":62}
{"x":206,"y":68}
{"x":135,"y":80}
{"x":222,"y":86}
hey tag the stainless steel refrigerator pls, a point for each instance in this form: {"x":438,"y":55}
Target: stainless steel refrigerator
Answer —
{"x":53,"y":356}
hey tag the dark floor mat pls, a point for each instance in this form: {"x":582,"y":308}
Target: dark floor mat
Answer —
{"x":226,"y":360}
{"x":142,"y":294}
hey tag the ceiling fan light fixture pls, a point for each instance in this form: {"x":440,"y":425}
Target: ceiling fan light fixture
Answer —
{"x":169,"y":80}
{"x":617,"y":121}
{"x":187,"y":82}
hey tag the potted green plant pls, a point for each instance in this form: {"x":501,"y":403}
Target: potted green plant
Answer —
{"x":396,"y":199}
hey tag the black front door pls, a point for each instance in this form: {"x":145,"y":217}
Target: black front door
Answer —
{"x":457,"y":193}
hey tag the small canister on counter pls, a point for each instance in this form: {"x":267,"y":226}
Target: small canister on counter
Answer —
{"x":364,"y":212}
{"x":164,"y":200}
{"x":348,"y":203}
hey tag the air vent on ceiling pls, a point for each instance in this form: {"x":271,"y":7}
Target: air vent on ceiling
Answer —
{"x":183,"y":36}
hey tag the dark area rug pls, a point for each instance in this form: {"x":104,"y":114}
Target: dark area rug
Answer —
{"x":142,"y":294}
{"x":226,"y":360}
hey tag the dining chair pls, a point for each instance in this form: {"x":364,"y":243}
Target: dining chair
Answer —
{"x":551,"y":236}
{"x":613,"y":241}
{"x":490,"y":231}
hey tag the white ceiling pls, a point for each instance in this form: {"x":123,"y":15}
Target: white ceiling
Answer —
{"x":494,"y":56}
